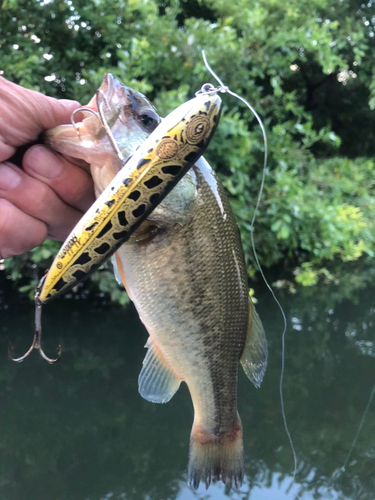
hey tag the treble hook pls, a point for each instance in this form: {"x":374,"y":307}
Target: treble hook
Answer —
{"x":84,"y":109}
{"x":37,"y":333}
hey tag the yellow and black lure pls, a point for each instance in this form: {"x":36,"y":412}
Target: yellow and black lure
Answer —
{"x":138,"y":188}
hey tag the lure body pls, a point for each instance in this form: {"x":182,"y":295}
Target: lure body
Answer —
{"x":147,"y":177}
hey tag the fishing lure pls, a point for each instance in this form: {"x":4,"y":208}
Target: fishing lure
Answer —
{"x":137,"y":189}
{"x":142,"y":183}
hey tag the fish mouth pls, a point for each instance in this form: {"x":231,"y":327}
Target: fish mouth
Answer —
{"x":111,"y":92}
{"x":108,"y":83}
{"x":129,"y":115}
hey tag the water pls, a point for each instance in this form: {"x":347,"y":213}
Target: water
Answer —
{"x":78,"y":430}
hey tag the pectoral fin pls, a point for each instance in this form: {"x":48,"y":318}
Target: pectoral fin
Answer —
{"x":116,"y":272}
{"x":255,"y":354}
{"x":156,"y":382}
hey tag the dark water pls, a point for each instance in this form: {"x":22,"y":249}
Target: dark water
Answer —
{"x":78,"y":430}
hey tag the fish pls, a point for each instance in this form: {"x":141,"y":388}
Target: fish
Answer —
{"x":184,"y":269}
{"x":140,"y":185}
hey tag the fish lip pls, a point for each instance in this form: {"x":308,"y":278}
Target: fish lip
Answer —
{"x":110,"y":86}
{"x":107,"y":83}
{"x":111,"y":91}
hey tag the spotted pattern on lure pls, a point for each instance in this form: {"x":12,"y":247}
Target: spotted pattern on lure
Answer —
{"x":137,"y":189}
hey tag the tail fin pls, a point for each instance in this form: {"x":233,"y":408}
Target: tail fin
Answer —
{"x":216,"y":458}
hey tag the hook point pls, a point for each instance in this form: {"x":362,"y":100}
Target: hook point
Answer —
{"x":36,"y":344}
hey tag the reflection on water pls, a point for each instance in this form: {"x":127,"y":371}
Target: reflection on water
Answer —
{"x":78,"y":430}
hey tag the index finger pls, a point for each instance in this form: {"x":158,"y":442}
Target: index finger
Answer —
{"x":26,"y":113}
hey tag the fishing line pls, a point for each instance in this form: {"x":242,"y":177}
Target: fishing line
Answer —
{"x":223,"y":88}
{"x":359,"y":430}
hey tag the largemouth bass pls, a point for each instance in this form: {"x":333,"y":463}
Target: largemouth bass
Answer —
{"x":184,"y":270}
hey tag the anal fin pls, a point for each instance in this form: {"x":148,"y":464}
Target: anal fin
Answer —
{"x":255,"y":354}
{"x":156,"y":382}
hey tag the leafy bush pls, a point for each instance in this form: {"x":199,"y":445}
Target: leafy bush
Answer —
{"x":306,"y":66}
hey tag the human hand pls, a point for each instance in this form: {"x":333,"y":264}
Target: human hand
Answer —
{"x":48,"y":197}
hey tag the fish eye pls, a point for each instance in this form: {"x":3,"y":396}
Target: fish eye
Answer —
{"x":148,"y":120}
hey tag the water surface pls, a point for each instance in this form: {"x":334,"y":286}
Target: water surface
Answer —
{"x":79,"y":430}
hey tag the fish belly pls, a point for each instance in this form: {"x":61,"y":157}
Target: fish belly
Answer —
{"x":188,"y":282}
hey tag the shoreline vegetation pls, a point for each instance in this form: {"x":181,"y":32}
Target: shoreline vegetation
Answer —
{"x":307,"y":68}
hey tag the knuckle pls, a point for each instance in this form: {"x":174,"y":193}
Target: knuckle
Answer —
{"x":5,"y":215}
{"x":33,"y":241}
{"x":44,"y":197}
{"x":81,"y":191}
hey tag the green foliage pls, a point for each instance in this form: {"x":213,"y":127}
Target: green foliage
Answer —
{"x":107,"y":284}
{"x":326,"y":211}
{"x":306,"y":66}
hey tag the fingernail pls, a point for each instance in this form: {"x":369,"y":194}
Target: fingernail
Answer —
{"x":43,"y":162}
{"x":9,"y":178}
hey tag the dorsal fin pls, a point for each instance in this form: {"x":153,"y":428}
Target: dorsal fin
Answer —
{"x":156,"y":382}
{"x":255,"y":354}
